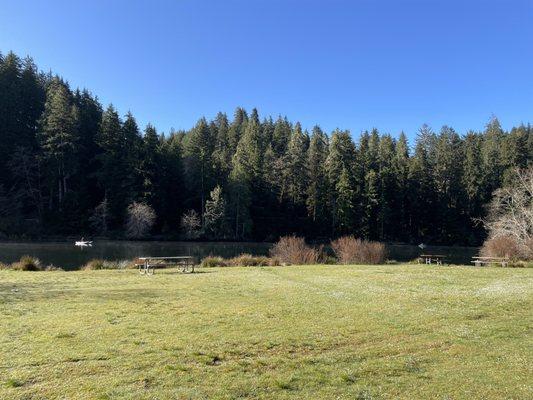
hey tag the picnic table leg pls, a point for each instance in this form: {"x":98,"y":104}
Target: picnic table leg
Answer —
{"x":144,"y":267}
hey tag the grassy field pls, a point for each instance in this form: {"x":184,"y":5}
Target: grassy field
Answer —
{"x":310,"y":332}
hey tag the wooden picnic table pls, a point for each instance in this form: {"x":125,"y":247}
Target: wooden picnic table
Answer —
{"x":479,"y":261}
{"x":431,"y":258}
{"x":147,"y":265}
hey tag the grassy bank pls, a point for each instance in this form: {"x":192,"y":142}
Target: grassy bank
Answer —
{"x":354,"y":332}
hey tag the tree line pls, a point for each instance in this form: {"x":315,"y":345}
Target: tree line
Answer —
{"x":69,"y":166}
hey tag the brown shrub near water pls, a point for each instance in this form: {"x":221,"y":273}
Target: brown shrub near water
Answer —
{"x":93,"y":265}
{"x":294,"y":250}
{"x":242,"y":260}
{"x":247,"y":260}
{"x":501,"y":246}
{"x":351,"y":250}
{"x":27,"y":263}
{"x":98,"y":264}
{"x":212,"y":261}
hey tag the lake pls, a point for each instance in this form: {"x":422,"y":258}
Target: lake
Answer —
{"x":68,"y":256}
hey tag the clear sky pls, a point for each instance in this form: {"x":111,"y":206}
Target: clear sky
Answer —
{"x":353,"y":64}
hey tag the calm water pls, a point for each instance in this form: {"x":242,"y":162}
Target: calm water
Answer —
{"x":68,"y":256}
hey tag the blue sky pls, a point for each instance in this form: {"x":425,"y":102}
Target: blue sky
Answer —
{"x":354,"y":64}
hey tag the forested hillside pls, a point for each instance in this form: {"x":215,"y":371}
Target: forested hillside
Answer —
{"x":69,"y":166}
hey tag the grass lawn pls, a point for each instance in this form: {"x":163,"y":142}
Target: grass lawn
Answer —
{"x":307,"y":332}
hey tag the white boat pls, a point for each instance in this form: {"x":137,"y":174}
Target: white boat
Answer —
{"x":83,"y":243}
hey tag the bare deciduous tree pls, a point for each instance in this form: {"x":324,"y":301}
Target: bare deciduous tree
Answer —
{"x":191,"y":224}
{"x":141,"y":218}
{"x":510,"y":212}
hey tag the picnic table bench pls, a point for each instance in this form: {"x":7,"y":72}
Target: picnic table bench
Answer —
{"x":148,"y":265}
{"x":480,"y":261}
{"x":431,"y":258}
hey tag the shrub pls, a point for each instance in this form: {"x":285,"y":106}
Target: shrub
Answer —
{"x":27,"y":263}
{"x":350,"y":250}
{"x":247,"y":260}
{"x":211,"y":262}
{"x":520,"y":264}
{"x":294,"y":250}
{"x":94,"y":265}
{"x":97,"y":264}
{"x":4,"y":266}
{"x":242,"y":260}
{"x":501,"y":246}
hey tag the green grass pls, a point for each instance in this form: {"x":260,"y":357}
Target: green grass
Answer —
{"x":310,"y":332}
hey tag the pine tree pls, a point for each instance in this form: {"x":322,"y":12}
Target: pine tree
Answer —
{"x":58,"y":136}
{"x":149,"y":166}
{"x":10,"y":101}
{"x":236,"y":130}
{"x":341,"y":161}
{"x":345,"y":203}
{"x":295,"y":172}
{"x":421,"y":188}
{"x":85,"y":182}
{"x":472,"y":182}
{"x":317,"y":187}
{"x":199,"y":163}
{"x":514,"y":153}
{"x":134,"y":148}
{"x":387,"y":187}
{"x":491,"y":156}
{"x":246,"y":174}
{"x":113,"y":165}
{"x":281,"y":136}
{"x":222,"y":153}
{"x":401,"y":173}
{"x":447,"y":177}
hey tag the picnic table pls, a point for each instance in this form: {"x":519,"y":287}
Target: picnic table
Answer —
{"x":480,"y":261}
{"x":431,"y":258}
{"x":148,"y":265}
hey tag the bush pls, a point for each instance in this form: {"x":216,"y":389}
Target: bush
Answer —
{"x":520,"y":264}
{"x":243,"y":260}
{"x":94,"y":265}
{"x":294,"y":250}
{"x":501,"y":246}
{"x":27,"y":263}
{"x":247,"y":260}
{"x":97,"y":264}
{"x":350,"y":250}
{"x":211,"y":262}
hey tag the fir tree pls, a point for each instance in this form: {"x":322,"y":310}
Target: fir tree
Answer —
{"x":317,"y":187}
{"x":58,"y":136}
